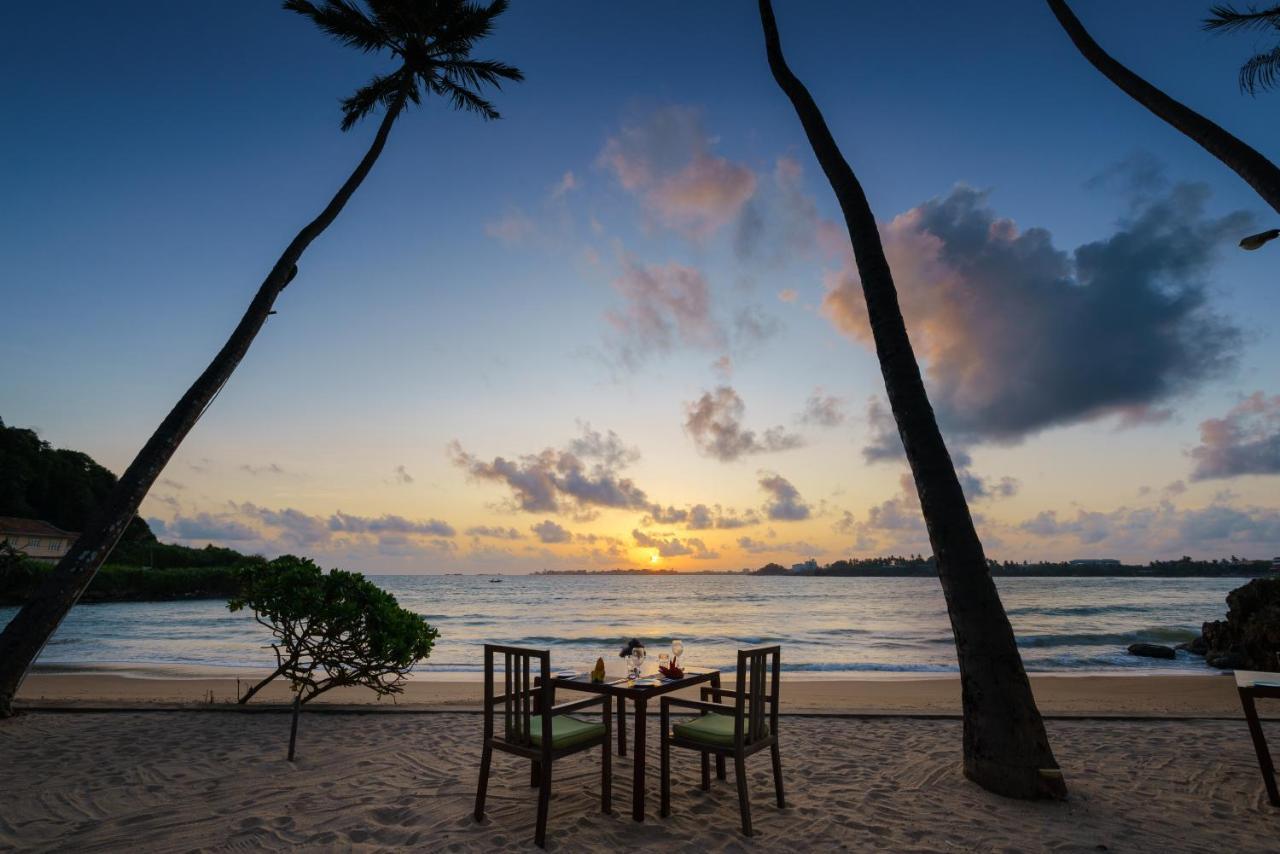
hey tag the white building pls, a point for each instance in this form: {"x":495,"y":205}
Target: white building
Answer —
{"x":36,"y":539}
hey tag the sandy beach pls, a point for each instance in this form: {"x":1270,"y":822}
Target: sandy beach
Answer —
{"x":190,"y":780}
{"x":1155,"y":695}
{"x":160,"y":759}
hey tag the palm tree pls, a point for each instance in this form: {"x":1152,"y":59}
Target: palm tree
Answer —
{"x":1006,"y":749}
{"x":1259,"y":172}
{"x":1262,"y":70}
{"x":431,"y":40}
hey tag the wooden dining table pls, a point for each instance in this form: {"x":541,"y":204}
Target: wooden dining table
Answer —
{"x":1253,"y":685}
{"x":640,"y":694}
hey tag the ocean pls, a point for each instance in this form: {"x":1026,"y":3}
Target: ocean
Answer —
{"x":827,"y":627}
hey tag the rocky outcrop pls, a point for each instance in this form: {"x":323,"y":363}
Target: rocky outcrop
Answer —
{"x":1196,"y":646}
{"x":1152,"y":650}
{"x":1249,"y":638}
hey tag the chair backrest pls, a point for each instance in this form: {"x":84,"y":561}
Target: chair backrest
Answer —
{"x":758,"y":673}
{"x":520,"y":699}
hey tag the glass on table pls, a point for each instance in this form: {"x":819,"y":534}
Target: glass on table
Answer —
{"x":637,"y":661}
{"x":677,"y":650}
{"x":664,"y":661}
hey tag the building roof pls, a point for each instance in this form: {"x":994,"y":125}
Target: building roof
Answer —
{"x":32,"y":528}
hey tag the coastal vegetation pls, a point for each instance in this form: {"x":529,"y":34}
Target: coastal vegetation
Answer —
{"x":20,"y":578}
{"x":433,"y":57}
{"x":1006,"y":748}
{"x":331,"y":630}
{"x":918,"y":566}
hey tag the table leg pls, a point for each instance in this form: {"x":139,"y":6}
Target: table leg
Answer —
{"x":715,"y":687}
{"x":637,"y":791}
{"x":622,"y":725}
{"x":1260,"y":747}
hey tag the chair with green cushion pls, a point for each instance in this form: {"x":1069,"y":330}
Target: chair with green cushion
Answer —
{"x":723,"y":730}
{"x":529,"y":731}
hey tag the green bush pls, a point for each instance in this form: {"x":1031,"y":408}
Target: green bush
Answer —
{"x":331,"y":630}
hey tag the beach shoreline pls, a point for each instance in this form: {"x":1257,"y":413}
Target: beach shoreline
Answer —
{"x":1069,"y":695}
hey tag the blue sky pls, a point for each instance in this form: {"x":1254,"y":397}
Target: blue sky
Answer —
{"x":472,"y":294}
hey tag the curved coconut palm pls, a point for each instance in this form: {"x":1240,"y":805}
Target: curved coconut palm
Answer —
{"x":1262,"y":70}
{"x":1006,"y":749}
{"x":431,"y":41}
{"x":1259,"y":172}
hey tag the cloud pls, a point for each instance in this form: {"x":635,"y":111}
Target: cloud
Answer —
{"x":823,"y":410}
{"x":780,"y":223}
{"x":666,"y":160}
{"x":585,"y":475}
{"x":670,"y":546}
{"x":714,"y":421}
{"x":496,"y":533}
{"x":548,"y":531}
{"x":1018,"y":336}
{"x":665,"y":306}
{"x":797,"y":548}
{"x":345,"y":522}
{"x":1164,"y":530}
{"x":885,"y":445}
{"x":568,"y":183}
{"x":606,"y":447}
{"x":270,"y":468}
{"x":1244,"y":441}
{"x":785,"y":503}
{"x":700,"y":517}
{"x":514,"y":227}
{"x":204,"y":526}
{"x":402,"y":475}
{"x":788,"y":295}
{"x":298,"y":527}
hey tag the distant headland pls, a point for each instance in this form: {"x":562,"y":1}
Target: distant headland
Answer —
{"x":918,"y":566}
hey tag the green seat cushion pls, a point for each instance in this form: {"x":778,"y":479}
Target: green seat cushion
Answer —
{"x":565,"y":731}
{"x":713,"y":729}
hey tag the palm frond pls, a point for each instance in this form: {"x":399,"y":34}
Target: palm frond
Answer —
{"x":344,"y":21}
{"x":462,"y":98}
{"x":480,"y":72}
{"x":383,"y":89}
{"x":1261,"y":72}
{"x":432,"y":38}
{"x":1223,"y":16}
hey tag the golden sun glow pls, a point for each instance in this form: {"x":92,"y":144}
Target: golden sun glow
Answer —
{"x":653,"y":558}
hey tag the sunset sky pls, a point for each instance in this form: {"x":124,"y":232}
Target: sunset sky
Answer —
{"x":621,"y":327}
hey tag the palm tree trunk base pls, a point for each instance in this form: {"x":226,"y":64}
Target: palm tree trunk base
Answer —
{"x":1019,"y":782}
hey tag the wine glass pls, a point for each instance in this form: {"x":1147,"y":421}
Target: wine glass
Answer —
{"x":677,"y":650}
{"x":637,"y":660}
{"x":664,"y":661}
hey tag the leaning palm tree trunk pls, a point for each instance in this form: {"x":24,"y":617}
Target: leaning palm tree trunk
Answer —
{"x":40,"y":617}
{"x":1006,"y":749}
{"x":1259,"y":172}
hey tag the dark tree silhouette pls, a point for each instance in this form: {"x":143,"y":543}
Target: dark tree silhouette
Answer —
{"x":1006,"y":749}
{"x":432,"y":41}
{"x":1257,"y":171}
{"x":1262,"y":70}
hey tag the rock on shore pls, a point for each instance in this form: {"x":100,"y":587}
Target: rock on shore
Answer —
{"x":1152,"y":650}
{"x":1249,"y":638}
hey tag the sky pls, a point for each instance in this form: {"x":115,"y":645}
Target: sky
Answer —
{"x":621,"y":327}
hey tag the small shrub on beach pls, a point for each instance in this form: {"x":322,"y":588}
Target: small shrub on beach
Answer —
{"x":331,"y":630}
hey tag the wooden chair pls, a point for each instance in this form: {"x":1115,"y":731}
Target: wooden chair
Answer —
{"x":736,"y":730}
{"x":528,"y":731}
